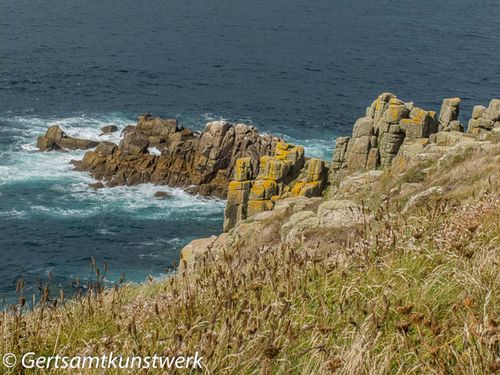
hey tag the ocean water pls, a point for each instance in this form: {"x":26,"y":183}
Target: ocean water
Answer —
{"x":301,"y":69}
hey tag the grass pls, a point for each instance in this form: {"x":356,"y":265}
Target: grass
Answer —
{"x":416,"y":295}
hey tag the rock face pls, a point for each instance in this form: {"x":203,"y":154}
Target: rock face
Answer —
{"x":56,"y":139}
{"x":257,"y":184}
{"x":203,"y":161}
{"x":485,"y":119}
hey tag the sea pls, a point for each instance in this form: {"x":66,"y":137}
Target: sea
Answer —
{"x":301,"y":69}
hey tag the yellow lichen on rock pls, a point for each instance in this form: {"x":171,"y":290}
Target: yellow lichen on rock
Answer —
{"x":263,"y":190}
{"x":255,"y":207}
{"x":279,"y":176}
{"x":410,"y":121}
{"x":311,"y":189}
{"x":243,"y":169}
{"x":297,"y":188}
{"x":272,"y":169}
{"x":289,"y":153}
{"x":314,"y":170}
{"x":239,"y":191}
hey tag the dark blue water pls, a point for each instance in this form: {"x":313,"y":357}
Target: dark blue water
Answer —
{"x":304,"y":69}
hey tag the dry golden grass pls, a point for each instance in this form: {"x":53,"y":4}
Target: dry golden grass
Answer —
{"x":416,"y":295}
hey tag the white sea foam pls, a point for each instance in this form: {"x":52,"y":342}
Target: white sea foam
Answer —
{"x":29,"y":147}
{"x":314,"y":148}
{"x":154,"y":151}
{"x":137,"y":201}
{"x":13,"y":214}
{"x":20,"y":161}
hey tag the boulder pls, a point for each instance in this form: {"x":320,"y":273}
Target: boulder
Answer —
{"x":296,"y":224}
{"x":484,"y":119}
{"x":478,"y":111}
{"x":134,"y":144}
{"x":449,"y":112}
{"x":56,"y":139}
{"x":155,"y":126}
{"x":339,"y":160}
{"x":358,"y":152}
{"x":389,"y":147}
{"x":194,"y":251}
{"x":492,"y":113}
{"x":363,"y":127}
{"x":108,"y":129}
{"x":422,"y":198}
{"x":128,"y":129}
{"x":337,"y":214}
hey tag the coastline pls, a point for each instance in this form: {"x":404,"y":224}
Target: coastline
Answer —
{"x":379,"y":259}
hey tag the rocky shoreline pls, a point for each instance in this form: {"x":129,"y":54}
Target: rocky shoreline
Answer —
{"x":264,"y":177}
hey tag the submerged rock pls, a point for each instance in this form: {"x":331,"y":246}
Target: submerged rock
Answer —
{"x":97,"y":185}
{"x":161,"y":195}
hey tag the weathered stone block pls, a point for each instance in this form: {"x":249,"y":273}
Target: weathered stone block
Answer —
{"x":358,"y":153}
{"x":339,"y":154}
{"x":395,"y":113}
{"x":389,"y":147}
{"x":363,"y":127}
{"x":314,"y":170}
{"x":238,"y":191}
{"x":449,"y":111}
{"x":263,"y":190}
{"x":372,"y":162}
{"x":272,"y":169}
{"x":478,"y":111}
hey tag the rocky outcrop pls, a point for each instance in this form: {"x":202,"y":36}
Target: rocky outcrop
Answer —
{"x":388,"y":123}
{"x":396,"y":131}
{"x":56,"y":139}
{"x":485,"y":119}
{"x":258,"y":184}
{"x":204,"y":161}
